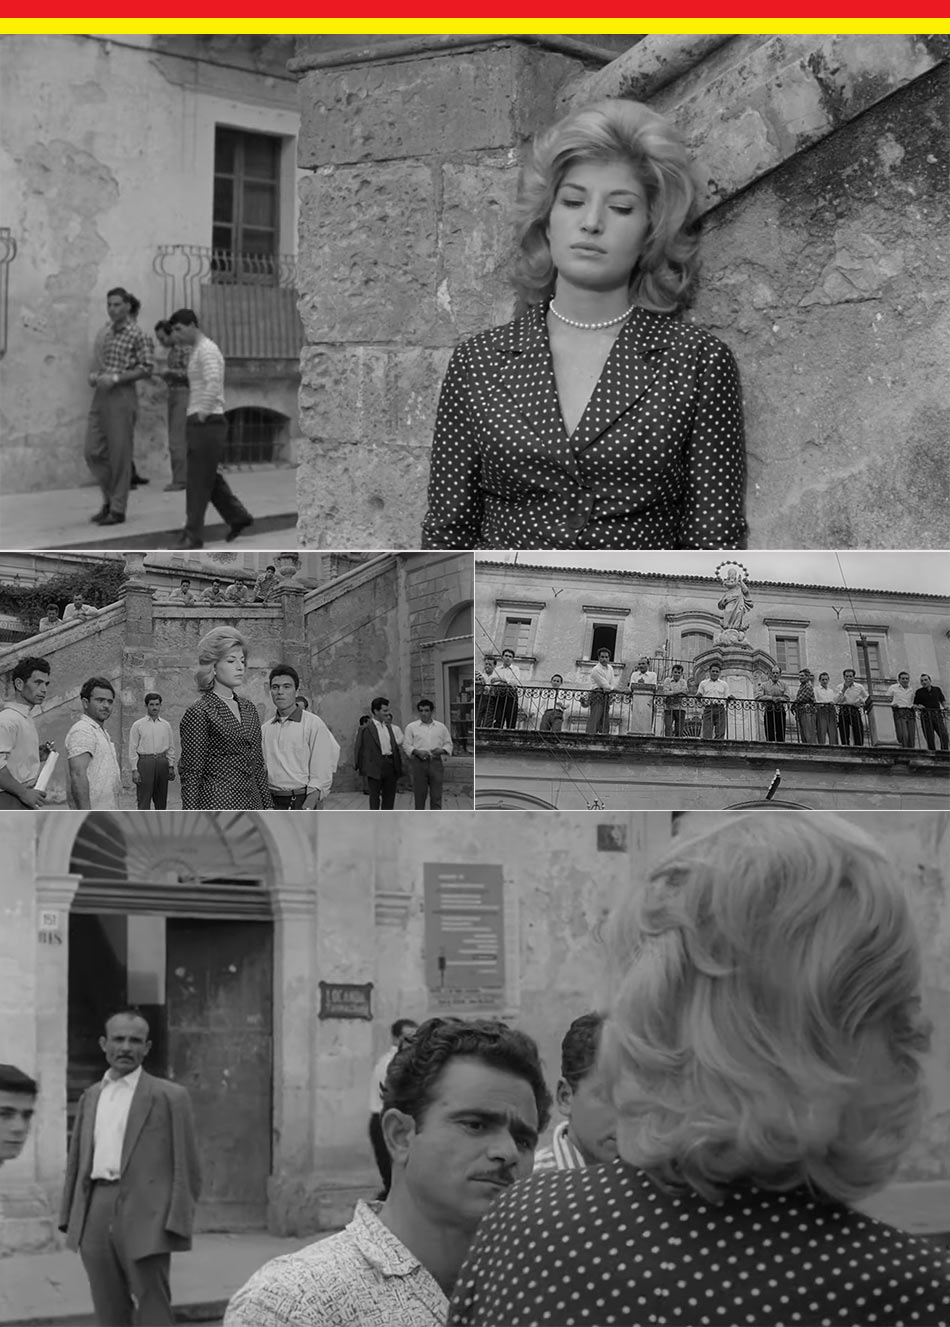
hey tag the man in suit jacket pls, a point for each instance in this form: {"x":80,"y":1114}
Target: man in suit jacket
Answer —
{"x":377,"y":755}
{"x":132,"y":1181}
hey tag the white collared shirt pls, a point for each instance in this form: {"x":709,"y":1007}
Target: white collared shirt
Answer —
{"x":151,"y":737}
{"x":710,"y":690}
{"x":112,"y":1118}
{"x":300,"y":752}
{"x":19,"y":743}
{"x":855,"y":694}
{"x":602,"y":677}
{"x":427,"y":737}
{"x":382,"y":732}
{"x":824,"y":695}
{"x":902,"y":698}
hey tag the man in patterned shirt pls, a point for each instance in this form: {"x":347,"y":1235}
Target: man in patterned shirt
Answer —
{"x":206,"y":432}
{"x":463,"y":1103}
{"x":588,"y":1133}
{"x":123,"y":354}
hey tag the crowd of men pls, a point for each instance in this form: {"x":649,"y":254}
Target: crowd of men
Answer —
{"x":825,"y":715}
{"x":123,"y":355}
{"x":300,"y":753}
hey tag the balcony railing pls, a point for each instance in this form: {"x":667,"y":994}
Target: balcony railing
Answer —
{"x":643,"y":713}
{"x":246,"y":302}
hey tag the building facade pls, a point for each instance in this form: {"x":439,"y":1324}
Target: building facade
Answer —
{"x":556,"y":620}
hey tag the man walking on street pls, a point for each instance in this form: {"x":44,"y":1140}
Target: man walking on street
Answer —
{"x":206,"y":432}
{"x":18,"y":1092}
{"x":123,"y":355}
{"x":132,"y":1181}
{"x":21,"y":755}
{"x":94,"y":780}
{"x":300,"y":752}
{"x":463,"y":1105}
{"x":152,"y":755}
{"x":377,"y":755}
{"x":427,"y":744}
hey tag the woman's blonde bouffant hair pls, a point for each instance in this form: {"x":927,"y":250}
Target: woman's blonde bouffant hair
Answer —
{"x":213,"y":648}
{"x":765,"y":1022}
{"x":666,"y":272}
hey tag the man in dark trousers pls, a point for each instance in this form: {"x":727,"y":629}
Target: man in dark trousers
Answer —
{"x":930,"y":704}
{"x":132,"y":1181}
{"x":377,"y":755}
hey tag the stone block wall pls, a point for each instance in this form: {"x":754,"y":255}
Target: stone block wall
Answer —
{"x":823,"y":161}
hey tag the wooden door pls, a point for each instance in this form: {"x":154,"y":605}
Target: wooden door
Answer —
{"x":219,"y":981}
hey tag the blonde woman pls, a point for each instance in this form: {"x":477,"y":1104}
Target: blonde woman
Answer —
{"x":222,"y":761}
{"x":763,"y":1054}
{"x":597,"y":419}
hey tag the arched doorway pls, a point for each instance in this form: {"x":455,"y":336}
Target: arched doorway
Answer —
{"x":506,"y":799}
{"x":173,"y":916}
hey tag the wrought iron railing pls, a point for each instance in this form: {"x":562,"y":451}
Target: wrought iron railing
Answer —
{"x":7,"y":255}
{"x":644,"y":713}
{"x":246,"y":302}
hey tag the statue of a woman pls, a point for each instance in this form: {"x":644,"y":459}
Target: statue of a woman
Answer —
{"x":735,"y":602}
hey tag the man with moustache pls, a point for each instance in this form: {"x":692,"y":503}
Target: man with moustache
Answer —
{"x":132,"y":1181}
{"x":95,"y":783}
{"x":18,"y":1093}
{"x":463,"y":1104}
{"x":588,"y":1132}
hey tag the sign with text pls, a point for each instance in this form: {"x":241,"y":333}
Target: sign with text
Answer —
{"x":464,"y":935}
{"x":340,"y":999}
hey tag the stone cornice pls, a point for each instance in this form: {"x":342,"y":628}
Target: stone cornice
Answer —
{"x":403,"y":48}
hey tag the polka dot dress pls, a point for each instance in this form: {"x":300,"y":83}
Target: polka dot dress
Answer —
{"x":657,"y":460}
{"x":221,"y":767}
{"x":605,"y":1245}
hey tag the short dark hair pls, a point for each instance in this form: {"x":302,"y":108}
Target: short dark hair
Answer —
{"x":417,"y":1064}
{"x":152,"y":695}
{"x":378,"y":702}
{"x":579,"y":1047}
{"x":284,"y":670}
{"x":400,"y":1025}
{"x":25,"y":669}
{"x":270,"y":567}
{"x":424,"y":703}
{"x":303,"y":702}
{"x":16,"y":1081}
{"x":128,"y":1012}
{"x":557,"y":677}
{"x":185,"y":580}
{"x":121,"y":291}
{"x":183,"y":317}
{"x":90,"y":684}
{"x":163,"y":326}
{"x":507,"y":650}
{"x":52,"y":604}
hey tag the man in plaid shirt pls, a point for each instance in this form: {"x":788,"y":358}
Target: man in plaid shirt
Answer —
{"x":123,"y":355}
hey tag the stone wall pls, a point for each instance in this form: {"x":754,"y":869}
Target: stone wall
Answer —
{"x":824,"y":167}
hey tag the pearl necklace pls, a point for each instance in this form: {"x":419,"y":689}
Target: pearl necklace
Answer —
{"x":591,"y":327}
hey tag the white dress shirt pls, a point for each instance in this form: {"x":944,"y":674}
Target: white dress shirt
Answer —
{"x":824,"y":695}
{"x":382,"y":732}
{"x":603,"y":677}
{"x":643,"y":680}
{"x":427,"y":737}
{"x":714,"y":691}
{"x":151,"y":737}
{"x":902,"y":698}
{"x":855,"y":694}
{"x":112,"y":1117}
{"x":82,"y":611}
{"x":300,"y":752}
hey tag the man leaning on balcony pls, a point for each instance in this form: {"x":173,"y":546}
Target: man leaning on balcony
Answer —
{"x":715,"y":694}
{"x":206,"y":432}
{"x":850,"y":698}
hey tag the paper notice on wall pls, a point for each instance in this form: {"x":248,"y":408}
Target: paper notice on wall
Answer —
{"x":46,"y":773}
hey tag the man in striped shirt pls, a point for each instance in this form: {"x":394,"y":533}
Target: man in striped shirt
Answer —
{"x":206,"y":432}
{"x":123,"y":354}
{"x":588,"y":1133}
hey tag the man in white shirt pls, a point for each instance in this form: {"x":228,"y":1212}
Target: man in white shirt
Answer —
{"x":206,"y":432}
{"x":827,"y":714}
{"x":463,"y":1105}
{"x":603,"y":682}
{"x":715,"y":693}
{"x":18,"y":1094}
{"x":506,"y":683}
{"x":152,"y":755}
{"x":79,"y":610}
{"x":850,"y":698}
{"x":675,"y":691}
{"x":183,"y":595}
{"x":94,"y":780}
{"x":377,"y":755}
{"x":402,"y":1029}
{"x":902,"y":709}
{"x":21,"y":755}
{"x":132,"y":1180}
{"x":427,"y":744}
{"x":237,"y":593}
{"x":641,"y":688}
{"x":300,"y":752}
{"x":588,"y":1133}
{"x":52,"y":618}
{"x":213,"y":594}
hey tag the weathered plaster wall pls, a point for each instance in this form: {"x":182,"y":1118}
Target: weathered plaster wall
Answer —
{"x":435,"y":588}
{"x":107,"y":153}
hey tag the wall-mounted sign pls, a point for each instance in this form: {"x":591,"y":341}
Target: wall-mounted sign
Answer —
{"x":611,"y":838}
{"x":340,"y":999}
{"x":464,"y":935}
{"x":49,"y":919}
